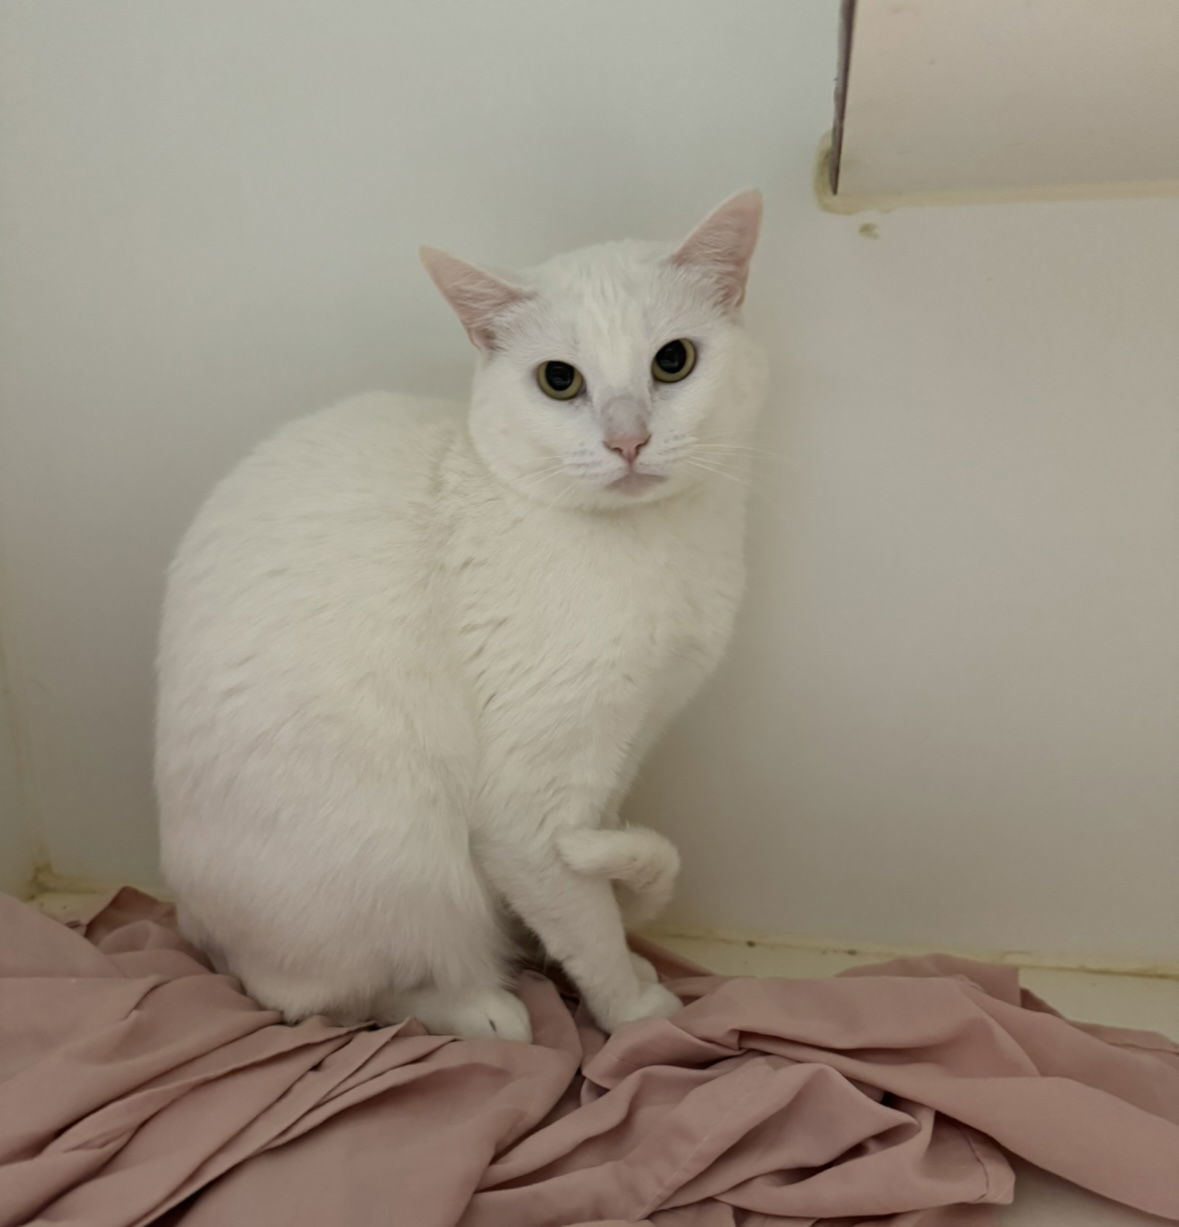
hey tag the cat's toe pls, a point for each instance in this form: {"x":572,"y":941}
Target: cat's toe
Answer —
{"x":652,"y":1001}
{"x":507,"y":1015}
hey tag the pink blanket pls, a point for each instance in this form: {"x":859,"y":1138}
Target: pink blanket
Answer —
{"x":136,"y":1086}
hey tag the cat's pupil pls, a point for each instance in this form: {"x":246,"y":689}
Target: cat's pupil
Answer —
{"x":671,"y":357}
{"x":560,"y":376}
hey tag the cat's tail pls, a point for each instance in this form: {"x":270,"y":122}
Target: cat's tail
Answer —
{"x":640,"y":862}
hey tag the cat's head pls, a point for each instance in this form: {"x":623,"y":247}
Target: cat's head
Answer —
{"x":614,"y":374}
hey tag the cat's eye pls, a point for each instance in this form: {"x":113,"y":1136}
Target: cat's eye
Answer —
{"x":560,"y":380}
{"x":674,"y":361}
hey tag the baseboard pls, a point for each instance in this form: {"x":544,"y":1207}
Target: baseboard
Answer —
{"x":879,"y":950}
{"x":47,"y":882}
{"x":59,"y":892}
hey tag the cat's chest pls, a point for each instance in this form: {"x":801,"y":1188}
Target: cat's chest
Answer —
{"x":586,"y":626}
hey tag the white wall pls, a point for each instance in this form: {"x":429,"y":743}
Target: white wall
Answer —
{"x":952,"y":712}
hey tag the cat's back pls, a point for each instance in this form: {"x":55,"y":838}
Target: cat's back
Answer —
{"x":364,"y":455}
{"x":327,"y":526}
{"x":330,"y":484}
{"x":300,"y":592}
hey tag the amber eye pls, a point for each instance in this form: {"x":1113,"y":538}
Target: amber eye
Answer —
{"x":560,"y":380}
{"x":674,"y":361}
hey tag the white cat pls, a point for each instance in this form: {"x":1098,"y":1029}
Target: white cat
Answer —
{"x":413,"y":653}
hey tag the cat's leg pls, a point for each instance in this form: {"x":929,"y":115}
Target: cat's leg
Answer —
{"x":576,"y":916}
{"x":451,"y":949}
{"x":301,"y":994}
{"x":644,"y":969}
{"x":456,"y":983}
{"x":288,"y":957}
{"x":641,"y":863}
{"x":645,"y":889}
{"x":356,"y":918}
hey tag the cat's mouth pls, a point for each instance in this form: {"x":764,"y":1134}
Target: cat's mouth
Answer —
{"x":636,"y":483}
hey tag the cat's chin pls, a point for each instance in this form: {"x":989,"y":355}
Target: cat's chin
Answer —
{"x":637,"y":483}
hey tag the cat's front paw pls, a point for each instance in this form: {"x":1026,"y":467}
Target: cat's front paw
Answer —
{"x":652,"y":1001}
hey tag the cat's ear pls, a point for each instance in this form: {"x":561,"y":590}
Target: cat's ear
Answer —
{"x":478,"y":297}
{"x":722,"y":245}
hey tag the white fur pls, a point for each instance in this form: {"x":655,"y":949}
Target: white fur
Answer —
{"x":412,"y":656}
{"x":641,"y":863}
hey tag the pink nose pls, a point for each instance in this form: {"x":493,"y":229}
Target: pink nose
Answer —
{"x":627,"y":446}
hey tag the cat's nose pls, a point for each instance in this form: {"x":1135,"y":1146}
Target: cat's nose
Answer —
{"x":627,"y":446}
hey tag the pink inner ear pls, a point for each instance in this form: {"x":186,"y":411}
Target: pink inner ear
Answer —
{"x":478,"y":297}
{"x":722,"y":245}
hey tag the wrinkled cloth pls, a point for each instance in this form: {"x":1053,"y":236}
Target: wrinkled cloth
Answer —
{"x":138,"y":1086}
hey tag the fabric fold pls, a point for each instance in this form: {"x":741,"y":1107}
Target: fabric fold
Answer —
{"x":137,"y":1086}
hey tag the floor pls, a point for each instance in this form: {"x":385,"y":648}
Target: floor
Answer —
{"x":1041,"y":1201}
{"x":1127,"y":1001}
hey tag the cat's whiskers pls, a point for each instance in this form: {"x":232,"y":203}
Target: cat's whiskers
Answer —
{"x":537,"y":478}
{"x":541,"y":482}
{"x":756,"y":493}
{"x":715,"y":470}
{"x":719,"y":446}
